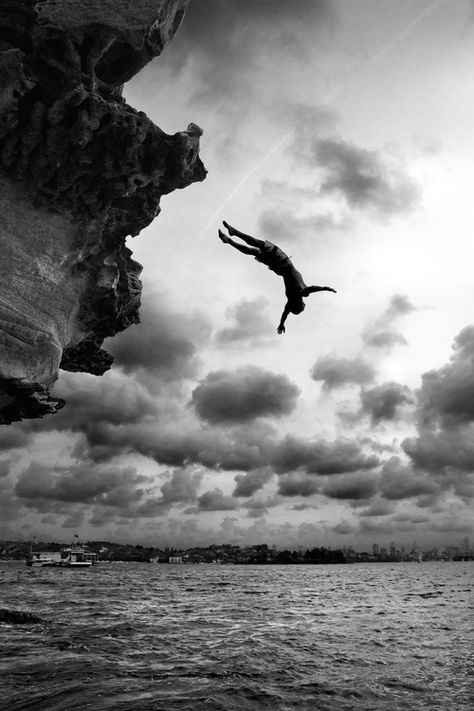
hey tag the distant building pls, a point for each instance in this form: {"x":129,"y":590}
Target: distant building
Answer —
{"x":375,"y":550}
{"x":175,"y":559}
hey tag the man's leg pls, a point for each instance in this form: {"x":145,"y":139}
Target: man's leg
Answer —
{"x":236,"y":245}
{"x":247,"y":238}
{"x":313,"y":289}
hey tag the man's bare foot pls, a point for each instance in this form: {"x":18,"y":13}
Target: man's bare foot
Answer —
{"x":223,"y":237}
{"x":231,"y":230}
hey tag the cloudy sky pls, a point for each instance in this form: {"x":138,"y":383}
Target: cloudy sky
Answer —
{"x":343,"y":131}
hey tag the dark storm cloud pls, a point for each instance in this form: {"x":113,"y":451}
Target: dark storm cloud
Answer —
{"x":297,"y":484}
{"x":253,"y":481}
{"x":381,"y":333}
{"x":321,"y":457}
{"x":363,"y":178}
{"x":337,"y":372}
{"x":383,"y":402}
{"x":91,"y":401}
{"x":242,"y":395}
{"x":182,"y":486}
{"x":178,"y":442}
{"x":158,"y":352}
{"x":250,"y":324}
{"x":81,"y":483}
{"x":223,"y":40}
{"x":447,"y":394}
{"x":400,"y":481}
{"x":353,"y":486}
{"x":434,"y":450}
{"x":165,"y":342}
{"x":445,"y":442}
{"x":95,"y":406}
{"x":216,"y":500}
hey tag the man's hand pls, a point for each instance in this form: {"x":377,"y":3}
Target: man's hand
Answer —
{"x":329,"y":288}
{"x":281,"y":329}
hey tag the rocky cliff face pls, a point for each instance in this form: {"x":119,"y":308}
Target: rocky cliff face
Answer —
{"x":80,"y":170}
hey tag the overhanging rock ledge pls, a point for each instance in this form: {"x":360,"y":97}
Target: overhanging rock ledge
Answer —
{"x":80,"y":170}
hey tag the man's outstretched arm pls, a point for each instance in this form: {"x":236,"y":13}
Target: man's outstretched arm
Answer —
{"x":312,"y":289}
{"x":281,"y":325}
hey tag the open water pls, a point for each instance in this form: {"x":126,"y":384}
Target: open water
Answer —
{"x":137,"y":637}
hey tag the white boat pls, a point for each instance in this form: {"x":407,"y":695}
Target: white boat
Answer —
{"x":41,"y":560}
{"x":75,"y":556}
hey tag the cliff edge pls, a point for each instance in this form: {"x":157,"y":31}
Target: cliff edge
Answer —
{"x":80,"y":170}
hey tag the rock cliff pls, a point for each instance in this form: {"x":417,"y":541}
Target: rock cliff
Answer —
{"x":80,"y":170}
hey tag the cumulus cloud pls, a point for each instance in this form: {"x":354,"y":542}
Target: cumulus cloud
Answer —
{"x":182,"y":486}
{"x":388,"y":338}
{"x":251,"y":482}
{"x":447,"y":394}
{"x":180,"y":440}
{"x":80,"y":483}
{"x":337,"y":372}
{"x":434,"y":450}
{"x":399,"y":481}
{"x":384,"y":402}
{"x":382,"y":333}
{"x":297,"y":484}
{"x":378,"y":507}
{"x":226,"y":397}
{"x":344,"y":528}
{"x":165,"y":343}
{"x":257,"y":507}
{"x":321,"y":457}
{"x":91,"y":401}
{"x":444,"y":445}
{"x":250,"y":325}
{"x":363,"y":178}
{"x":216,"y":500}
{"x":353,"y":486}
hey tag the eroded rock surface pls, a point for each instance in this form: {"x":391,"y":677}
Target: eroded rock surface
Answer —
{"x":80,"y":170}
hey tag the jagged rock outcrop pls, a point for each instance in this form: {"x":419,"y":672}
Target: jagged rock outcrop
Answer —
{"x":80,"y":170}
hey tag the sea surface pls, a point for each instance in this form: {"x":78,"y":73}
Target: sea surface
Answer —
{"x":139,"y":637}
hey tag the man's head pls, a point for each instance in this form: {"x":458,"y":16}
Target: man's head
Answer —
{"x":297,"y":306}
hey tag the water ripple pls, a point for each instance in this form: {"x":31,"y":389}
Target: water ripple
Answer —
{"x":238,"y":638}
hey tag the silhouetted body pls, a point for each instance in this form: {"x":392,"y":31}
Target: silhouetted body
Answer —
{"x":275,"y":259}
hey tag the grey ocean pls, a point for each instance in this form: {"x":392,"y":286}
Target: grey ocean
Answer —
{"x":138,"y":637}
